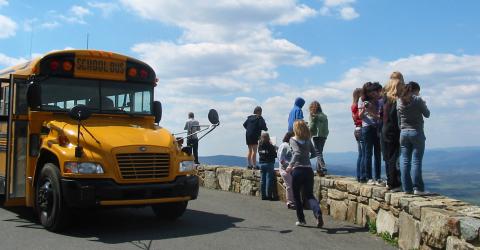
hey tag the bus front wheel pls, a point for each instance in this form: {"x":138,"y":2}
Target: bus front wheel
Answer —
{"x":50,"y":207}
{"x":169,"y":211}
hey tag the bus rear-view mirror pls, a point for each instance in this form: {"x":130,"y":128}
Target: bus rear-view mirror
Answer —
{"x":80,"y":113}
{"x":213,"y":117}
{"x":157,"y":111}
{"x":34,"y":96}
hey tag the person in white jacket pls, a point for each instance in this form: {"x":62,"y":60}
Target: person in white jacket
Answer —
{"x":284,"y":155}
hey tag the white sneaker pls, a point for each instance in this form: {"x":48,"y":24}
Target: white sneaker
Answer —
{"x":370,"y":182}
{"x":380,"y":183}
{"x":395,"y":190}
{"x":300,"y":223}
{"x":416,"y":192}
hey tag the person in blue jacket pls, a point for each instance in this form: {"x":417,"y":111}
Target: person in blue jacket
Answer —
{"x":296,"y":113}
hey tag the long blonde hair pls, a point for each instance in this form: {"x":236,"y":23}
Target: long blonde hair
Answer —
{"x":301,"y":130}
{"x":394,"y":87}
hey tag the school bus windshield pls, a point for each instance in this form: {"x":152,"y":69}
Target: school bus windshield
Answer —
{"x":101,"y":96}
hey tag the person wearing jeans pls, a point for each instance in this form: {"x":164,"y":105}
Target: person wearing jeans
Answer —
{"x":192,"y":126}
{"x":267,"y":153}
{"x":368,"y":112}
{"x":371,"y":149}
{"x":319,"y":130}
{"x":357,"y":121}
{"x":411,"y":110}
{"x":412,"y":148}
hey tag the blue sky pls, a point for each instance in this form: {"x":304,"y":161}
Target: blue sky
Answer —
{"x":234,"y":55}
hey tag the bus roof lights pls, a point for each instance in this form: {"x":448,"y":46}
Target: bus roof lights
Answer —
{"x":67,"y":66}
{"x":54,"y":65}
{"x":132,"y":72}
{"x":143,"y":74}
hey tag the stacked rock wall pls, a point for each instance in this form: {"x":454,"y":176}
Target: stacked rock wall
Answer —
{"x":418,"y":222}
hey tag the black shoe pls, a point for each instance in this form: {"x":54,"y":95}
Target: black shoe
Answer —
{"x":274,"y":199}
{"x":265,"y":199}
{"x":249,"y":167}
{"x":320,"y":221}
{"x":291,"y":206}
{"x":257,"y":167}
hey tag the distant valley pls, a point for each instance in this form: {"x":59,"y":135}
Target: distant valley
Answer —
{"x":454,"y":172}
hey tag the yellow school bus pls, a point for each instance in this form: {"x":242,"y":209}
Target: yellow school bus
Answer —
{"x":79,"y":128}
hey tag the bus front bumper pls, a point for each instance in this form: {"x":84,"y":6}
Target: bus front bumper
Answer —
{"x":91,"y":193}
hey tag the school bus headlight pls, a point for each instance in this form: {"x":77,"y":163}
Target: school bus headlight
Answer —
{"x":186,"y":166}
{"x":83,"y":168}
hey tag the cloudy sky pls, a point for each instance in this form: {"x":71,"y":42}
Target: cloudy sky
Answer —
{"x":232,"y":55}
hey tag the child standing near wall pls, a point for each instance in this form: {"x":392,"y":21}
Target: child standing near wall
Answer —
{"x":267,"y":153}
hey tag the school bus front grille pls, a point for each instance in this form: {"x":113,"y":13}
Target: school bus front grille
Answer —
{"x":143,"y":165}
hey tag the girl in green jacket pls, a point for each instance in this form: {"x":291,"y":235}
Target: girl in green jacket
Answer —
{"x":318,"y":126}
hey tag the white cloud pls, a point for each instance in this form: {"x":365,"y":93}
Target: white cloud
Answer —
{"x":450,"y":85}
{"x":348,"y":13}
{"x":336,"y":3}
{"x":7,"y":61}
{"x":76,"y":14}
{"x":227,"y":20}
{"x":342,"y":8}
{"x":50,"y":25}
{"x":107,"y":8}
{"x":8,"y":27}
{"x":226,"y":47}
{"x":3,"y":3}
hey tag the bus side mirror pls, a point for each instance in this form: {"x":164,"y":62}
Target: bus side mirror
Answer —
{"x":157,"y":111}
{"x":213,"y":117}
{"x":80,"y":113}
{"x":34,"y":96}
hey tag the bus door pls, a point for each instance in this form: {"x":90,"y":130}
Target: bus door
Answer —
{"x":16,"y":141}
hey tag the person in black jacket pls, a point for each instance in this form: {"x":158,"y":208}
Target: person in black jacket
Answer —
{"x":391,"y":130}
{"x":267,"y":153}
{"x":254,"y":126}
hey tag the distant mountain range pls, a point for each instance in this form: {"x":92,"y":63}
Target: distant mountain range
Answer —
{"x":451,"y":171}
{"x":445,"y":159}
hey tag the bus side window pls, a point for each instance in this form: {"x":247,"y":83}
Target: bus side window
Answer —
{"x":4,"y":101}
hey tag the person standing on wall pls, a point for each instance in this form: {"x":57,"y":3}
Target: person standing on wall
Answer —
{"x":391,"y":131}
{"x":192,"y":126}
{"x":378,"y":147}
{"x":254,"y":126}
{"x":411,"y":110}
{"x":319,"y":130}
{"x":357,"y":121}
{"x":296,"y":113}
{"x":302,"y":172}
{"x":369,"y":114}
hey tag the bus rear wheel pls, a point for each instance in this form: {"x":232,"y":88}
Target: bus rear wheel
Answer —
{"x":169,"y":211}
{"x":50,"y":207}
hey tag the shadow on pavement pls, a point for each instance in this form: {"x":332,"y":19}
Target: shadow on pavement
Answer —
{"x":344,"y":230}
{"x":139,"y":226}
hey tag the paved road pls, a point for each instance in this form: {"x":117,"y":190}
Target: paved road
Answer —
{"x":217,"y":220}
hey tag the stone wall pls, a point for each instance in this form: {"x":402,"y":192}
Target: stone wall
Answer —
{"x":417,"y":222}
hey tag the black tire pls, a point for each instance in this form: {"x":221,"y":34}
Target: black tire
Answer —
{"x":170,"y":211}
{"x":50,"y":208}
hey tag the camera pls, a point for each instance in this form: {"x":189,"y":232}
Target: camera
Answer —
{"x":366,"y":104}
